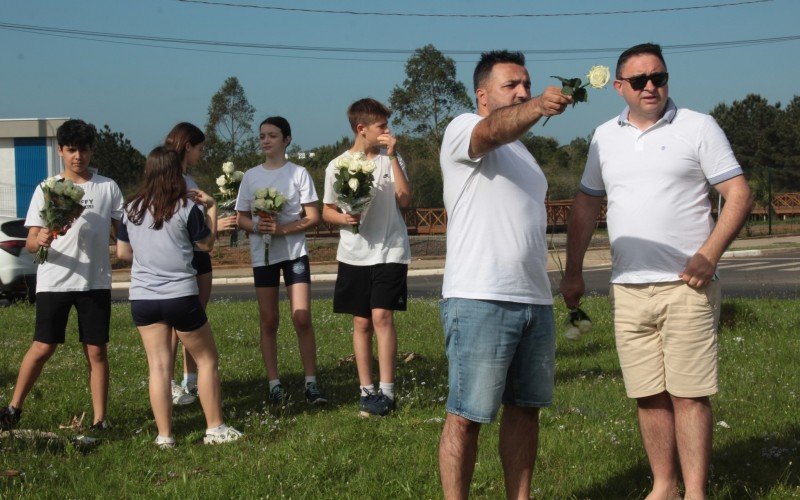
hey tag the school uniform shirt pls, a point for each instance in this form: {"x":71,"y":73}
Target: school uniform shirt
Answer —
{"x":162,"y":258}
{"x":382,"y":236}
{"x":295,"y":184}
{"x":79,"y":260}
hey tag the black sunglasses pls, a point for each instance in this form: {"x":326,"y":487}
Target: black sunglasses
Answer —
{"x":639,"y":82}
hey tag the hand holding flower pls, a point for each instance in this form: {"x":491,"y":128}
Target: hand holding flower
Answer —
{"x":597,"y":77}
{"x":553,"y":101}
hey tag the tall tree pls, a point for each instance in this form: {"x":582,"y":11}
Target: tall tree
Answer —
{"x":429,"y":96}
{"x":114,"y":156}
{"x":230,"y":118}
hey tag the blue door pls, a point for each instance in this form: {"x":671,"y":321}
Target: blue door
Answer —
{"x":30,"y":165}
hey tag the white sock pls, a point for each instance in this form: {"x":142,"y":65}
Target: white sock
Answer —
{"x":220,"y":429}
{"x":189,"y":380}
{"x":367,"y":389}
{"x":273,"y":383}
{"x":311,"y":379}
{"x":387,"y":389}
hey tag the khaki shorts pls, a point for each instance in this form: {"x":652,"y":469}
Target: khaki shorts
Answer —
{"x":666,"y":336}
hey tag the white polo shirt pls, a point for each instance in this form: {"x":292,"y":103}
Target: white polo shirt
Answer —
{"x":496,"y":220}
{"x":657,"y":181}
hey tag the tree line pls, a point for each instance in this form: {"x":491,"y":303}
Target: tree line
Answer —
{"x":765,"y":137}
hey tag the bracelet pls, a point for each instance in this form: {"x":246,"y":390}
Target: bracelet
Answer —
{"x":392,"y":157}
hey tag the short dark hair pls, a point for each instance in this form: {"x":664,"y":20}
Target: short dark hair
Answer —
{"x":76,"y":133}
{"x":489,"y":59}
{"x":280,"y":122}
{"x":637,"y":50}
{"x":366,"y":112}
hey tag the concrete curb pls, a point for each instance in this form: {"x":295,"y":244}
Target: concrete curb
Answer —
{"x":742,"y":253}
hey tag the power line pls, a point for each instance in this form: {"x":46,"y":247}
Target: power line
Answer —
{"x":483,"y":16}
{"x":106,"y":36}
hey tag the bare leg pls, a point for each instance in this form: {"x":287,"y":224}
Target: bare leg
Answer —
{"x":383,"y":323}
{"x":97,"y":358}
{"x":362,"y":348}
{"x":300,"y":300}
{"x":30,"y":369}
{"x":201,"y":344}
{"x":268,"y":321}
{"x":519,"y":439}
{"x":693,"y":428}
{"x":204,"y":293}
{"x":458,"y":448}
{"x":157,"y":339}
{"x":657,"y":426}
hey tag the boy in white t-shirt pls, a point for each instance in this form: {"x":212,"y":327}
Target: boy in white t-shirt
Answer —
{"x":373,"y":263}
{"x":77,"y":273}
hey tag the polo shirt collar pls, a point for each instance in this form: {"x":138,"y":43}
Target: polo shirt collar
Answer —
{"x":669,"y":114}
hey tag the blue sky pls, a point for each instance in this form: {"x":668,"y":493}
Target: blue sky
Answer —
{"x":142,"y":91}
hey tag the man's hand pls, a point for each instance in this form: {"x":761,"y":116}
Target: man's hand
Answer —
{"x":572,"y":288}
{"x":553,"y":102}
{"x":698,"y":271}
{"x":389,"y":142}
{"x":44,"y":237}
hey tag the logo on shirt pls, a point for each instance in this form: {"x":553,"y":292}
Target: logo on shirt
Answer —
{"x":87,"y":203}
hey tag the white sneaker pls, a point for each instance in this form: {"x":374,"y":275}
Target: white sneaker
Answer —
{"x":181,"y":396}
{"x":227,"y":435}
{"x":165,"y":443}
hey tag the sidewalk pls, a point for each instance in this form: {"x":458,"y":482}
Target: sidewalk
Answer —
{"x":595,"y":257}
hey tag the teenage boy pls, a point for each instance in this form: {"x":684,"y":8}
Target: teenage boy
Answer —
{"x":77,"y":273}
{"x":373,"y":263}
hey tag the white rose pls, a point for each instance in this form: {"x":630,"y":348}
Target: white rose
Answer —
{"x":598,"y":76}
{"x":273,"y":192}
{"x":51,"y":182}
{"x":359,"y":156}
{"x":572,"y":333}
{"x":258,"y":205}
{"x":368,"y":167}
{"x":237,"y":175}
{"x":77,"y":193}
{"x":268,"y":204}
{"x":343,"y":163}
{"x":353,"y":183}
{"x":221,"y":181}
{"x":279,"y":201}
{"x":260,"y":193}
{"x":227,"y":167}
{"x":59,"y":188}
{"x":354,"y":168}
{"x":585,"y":326}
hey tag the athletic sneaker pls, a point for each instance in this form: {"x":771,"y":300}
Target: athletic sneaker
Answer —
{"x":313,"y":395}
{"x":165,"y":442}
{"x":191,"y":389}
{"x":9,"y":417}
{"x":278,"y":395}
{"x":93,"y":434}
{"x":180,"y":396}
{"x":228,"y":435}
{"x":373,"y":404}
{"x":387,"y":401}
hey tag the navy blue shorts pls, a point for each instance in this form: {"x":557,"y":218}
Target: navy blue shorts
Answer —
{"x":294,"y":271}
{"x":184,"y":314}
{"x":201,"y":262}
{"x":360,"y":289}
{"x":52,"y":313}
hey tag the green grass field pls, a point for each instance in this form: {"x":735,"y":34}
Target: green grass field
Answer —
{"x":590,"y":446}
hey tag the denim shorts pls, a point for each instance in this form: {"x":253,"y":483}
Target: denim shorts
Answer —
{"x":497,"y":352}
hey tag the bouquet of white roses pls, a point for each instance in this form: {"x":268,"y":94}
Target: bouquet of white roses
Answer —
{"x":597,"y":78}
{"x":268,"y":202}
{"x":353,"y":185}
{"x":579,"y":323}
{"x":229,"y":183}
{"x":62,"y":205}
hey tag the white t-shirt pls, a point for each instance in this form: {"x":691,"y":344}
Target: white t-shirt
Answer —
{"x":293,"y":182}
{"x":382,"y":235}
{"x":496,"y":220}
{"x":162,"y":258}
{"x":79,"y":261}
{"x":657,"y":182}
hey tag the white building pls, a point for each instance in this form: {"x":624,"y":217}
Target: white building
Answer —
{"x":28,"y":155}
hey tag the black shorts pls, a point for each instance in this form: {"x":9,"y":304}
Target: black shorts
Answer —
{"x":201,"y":262}
{"x":184,"y":314}
{"x":294,"y":271}
{"x":52,"y":313}
{"x":360,"y":289}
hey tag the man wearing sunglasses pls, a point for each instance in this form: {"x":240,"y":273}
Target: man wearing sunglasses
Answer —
{"x":655,"y":163}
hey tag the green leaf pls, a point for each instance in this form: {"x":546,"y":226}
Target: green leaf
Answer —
{"x":564,"y":81}
{"x":567,"y":90}
{"x":580,"y":95}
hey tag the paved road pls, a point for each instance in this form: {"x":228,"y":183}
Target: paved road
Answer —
{"x":775,"y":275}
